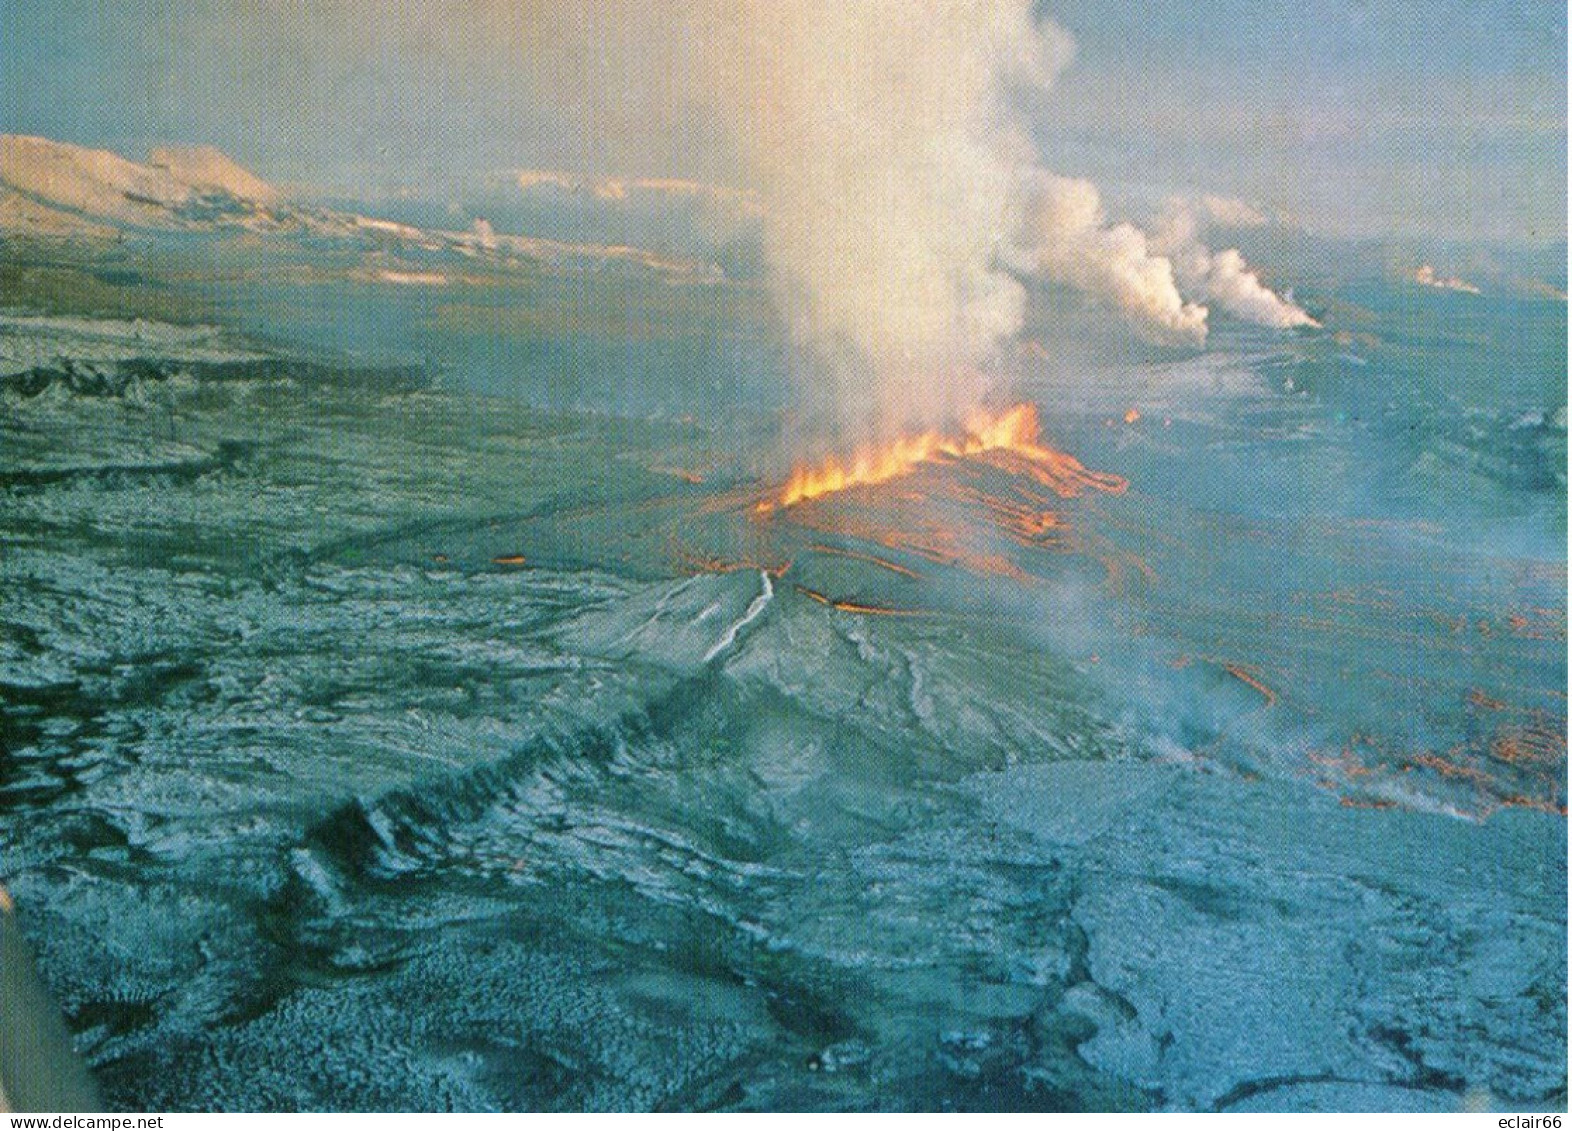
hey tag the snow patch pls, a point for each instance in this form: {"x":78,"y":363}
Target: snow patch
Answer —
{"x":755,"y":607}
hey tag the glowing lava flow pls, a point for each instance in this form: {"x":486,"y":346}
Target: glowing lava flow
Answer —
{"x":1014,"y":433}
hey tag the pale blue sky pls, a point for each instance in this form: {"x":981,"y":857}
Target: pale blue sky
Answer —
{"x":1382,"y":117}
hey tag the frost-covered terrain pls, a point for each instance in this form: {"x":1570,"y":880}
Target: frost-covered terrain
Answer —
{"x":64,"y":194}
{"x":372,"y":743}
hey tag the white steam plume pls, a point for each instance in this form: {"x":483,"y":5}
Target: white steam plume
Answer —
{"x":1069,"y":240}
{"x":903,"y":203}
{"x":883,"y":142}
{"x":1222,"y":277}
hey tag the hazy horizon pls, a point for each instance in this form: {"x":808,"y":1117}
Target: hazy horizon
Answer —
{"x":1362,"y":120}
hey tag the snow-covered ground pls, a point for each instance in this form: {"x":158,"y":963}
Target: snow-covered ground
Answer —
{"x":373,"y":745}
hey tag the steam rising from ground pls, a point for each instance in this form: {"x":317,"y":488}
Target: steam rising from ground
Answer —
{"x":904,"y":206}
{"x":1072,"y":242}
{"x":1223,"y":277}
{"x":883,"y":139}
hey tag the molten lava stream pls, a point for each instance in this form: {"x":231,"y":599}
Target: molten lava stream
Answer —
{"x":1015,"y":433}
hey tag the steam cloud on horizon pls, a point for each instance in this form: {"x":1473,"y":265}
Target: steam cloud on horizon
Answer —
{"x":904,"y":205}
{"x":889,"y":157}
{"x":1072,"y":242}
{"x":1223,"y":277}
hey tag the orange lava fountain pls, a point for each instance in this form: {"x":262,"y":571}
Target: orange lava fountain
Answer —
{"x":1013,"y":433}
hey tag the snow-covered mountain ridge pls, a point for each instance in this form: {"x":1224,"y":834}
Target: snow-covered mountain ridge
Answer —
{"x":54,"y":189}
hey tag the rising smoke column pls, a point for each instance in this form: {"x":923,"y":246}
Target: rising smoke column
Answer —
{"x":1160,"y":281}
{"x":903,"y":203}
{"x":1222,"y":277}
{"x":889,"y":158}
{"x":1069,"y":240}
